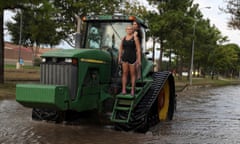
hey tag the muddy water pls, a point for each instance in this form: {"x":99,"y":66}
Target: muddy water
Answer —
{"x":209,"y":115}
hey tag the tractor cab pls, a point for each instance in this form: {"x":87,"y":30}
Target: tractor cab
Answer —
{"x":107,"y":32}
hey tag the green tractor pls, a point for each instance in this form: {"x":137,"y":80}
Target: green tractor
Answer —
{"x":74,"y":82}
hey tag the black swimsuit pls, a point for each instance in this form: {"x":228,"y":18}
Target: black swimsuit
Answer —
{"x":129,"y":51}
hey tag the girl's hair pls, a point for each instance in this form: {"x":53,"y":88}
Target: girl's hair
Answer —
{"x":138,"y":24}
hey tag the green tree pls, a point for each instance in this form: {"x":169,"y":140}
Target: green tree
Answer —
{"x":174,"y":32}
{"x":67,"y":10}
{"x":64,"y":17}
{"x":38,"y":27}
{"x":155,"y":26}
{"x":224,"y":59}
{"x":158,"y":28}
{"x":52,"y":21}
{"x":173,"y":26}
{"x":237,"y":65}
{"x":233,"y":8}
{"x":9,"y":4}
{"x":134,"y":8}
{"x":206,"y":41}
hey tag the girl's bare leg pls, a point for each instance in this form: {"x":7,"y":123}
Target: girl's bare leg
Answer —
{"x":125,"y":70}
{"x":132,"y":68}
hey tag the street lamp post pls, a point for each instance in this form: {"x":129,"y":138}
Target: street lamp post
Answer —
{"x":192,"y":54}
{"x":20,"y":37}
{"x":19,"y":42}
{"x":193,"y":45}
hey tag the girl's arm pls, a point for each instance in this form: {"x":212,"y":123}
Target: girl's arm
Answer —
{"x":138,"y":49}
{"x":120,"y":53}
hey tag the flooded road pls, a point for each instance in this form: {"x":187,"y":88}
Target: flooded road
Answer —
{"x":207,"y":115}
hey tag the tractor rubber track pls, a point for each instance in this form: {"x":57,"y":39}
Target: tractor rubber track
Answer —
{"x":145,"y":114}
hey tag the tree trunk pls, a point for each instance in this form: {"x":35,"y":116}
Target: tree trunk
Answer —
{"x":181,"y":67}
{"x":170,"y":60}
{"x":161,"y":55}
{"x":153,"y":55}
{"x":35,"y":51}
{"x":1,"y":47}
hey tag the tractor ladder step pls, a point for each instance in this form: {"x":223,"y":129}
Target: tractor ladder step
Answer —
{"x":122,"y":103}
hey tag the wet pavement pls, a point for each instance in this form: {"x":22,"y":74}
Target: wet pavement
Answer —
{"x":203,"y":116}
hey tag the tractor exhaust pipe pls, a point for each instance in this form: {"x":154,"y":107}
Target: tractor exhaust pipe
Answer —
{"x":78,"y":34}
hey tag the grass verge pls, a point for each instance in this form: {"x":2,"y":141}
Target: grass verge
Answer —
{"x":26,"y":74}
{"x":7,"y":91}
{"x":181,"y":84}
{"x":12,"y":76}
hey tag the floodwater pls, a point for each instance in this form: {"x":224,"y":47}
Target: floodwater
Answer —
{"x":203,"y":116}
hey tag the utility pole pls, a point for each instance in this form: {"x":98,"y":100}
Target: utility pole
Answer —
{"x":193,"y":46}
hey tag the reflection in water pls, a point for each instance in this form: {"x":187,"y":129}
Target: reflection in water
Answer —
{"x":203,"y":116}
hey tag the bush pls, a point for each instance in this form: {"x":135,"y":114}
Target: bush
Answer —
{"x":37,"y":61}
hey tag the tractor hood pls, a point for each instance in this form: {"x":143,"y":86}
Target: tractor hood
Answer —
{"x":95,"y":54}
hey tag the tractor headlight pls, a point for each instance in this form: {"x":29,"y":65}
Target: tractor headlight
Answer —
{"x":71,"y":60}
{"x":43,"y":60}
{"x":68,"y":60}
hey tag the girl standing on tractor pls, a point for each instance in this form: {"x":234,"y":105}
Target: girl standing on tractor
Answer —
{"x":129,"y":56}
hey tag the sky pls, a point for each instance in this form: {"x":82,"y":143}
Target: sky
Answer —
{"x":216,"y":16}
{"x":219,"y":18}
{"x":7,"y":17}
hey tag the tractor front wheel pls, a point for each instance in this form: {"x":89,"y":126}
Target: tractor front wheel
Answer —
{"x":46,"y":114}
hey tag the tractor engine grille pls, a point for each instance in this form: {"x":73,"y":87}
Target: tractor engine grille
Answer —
{"x":60,"y":74}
